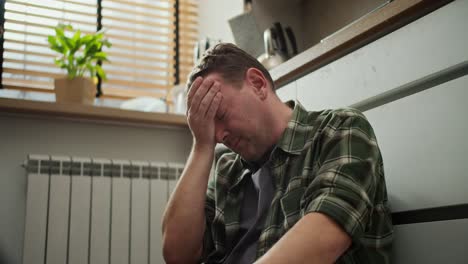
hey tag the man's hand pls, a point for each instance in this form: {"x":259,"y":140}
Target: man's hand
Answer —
{"x":203,"y":101}
{"x":182,"y":223}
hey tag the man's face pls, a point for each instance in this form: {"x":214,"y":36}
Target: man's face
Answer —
{"x":237,"y":121}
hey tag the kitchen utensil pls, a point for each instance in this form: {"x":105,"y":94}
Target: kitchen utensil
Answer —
{"x":270,"y":58}
{"x":247,"y":34}
{"x":276,"y":45}
{"x":281,"y":39}
{"x":292,"y":41}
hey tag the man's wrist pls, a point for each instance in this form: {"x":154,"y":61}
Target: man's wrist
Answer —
{"x":203,"y":148}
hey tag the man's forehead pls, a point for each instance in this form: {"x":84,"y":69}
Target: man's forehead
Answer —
{"x":215,"y":77}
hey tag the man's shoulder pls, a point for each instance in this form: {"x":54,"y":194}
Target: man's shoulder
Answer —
{"x":343,"y":112}
{"x":339,"y":117}
{"x":317,"y":117}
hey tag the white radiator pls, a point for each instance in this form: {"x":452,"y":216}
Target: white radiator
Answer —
{"x":96,"y":211}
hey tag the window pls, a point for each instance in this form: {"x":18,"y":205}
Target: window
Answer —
{"x":152,"y":43}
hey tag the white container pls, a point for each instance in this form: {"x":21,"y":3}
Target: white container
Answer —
{"x":179,"y":97}
{"x":145,"y":104}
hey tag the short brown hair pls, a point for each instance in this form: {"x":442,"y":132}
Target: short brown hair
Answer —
{"x":229,"y":61}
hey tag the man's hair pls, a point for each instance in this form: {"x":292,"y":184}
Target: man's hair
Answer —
{"x":230,"y":62}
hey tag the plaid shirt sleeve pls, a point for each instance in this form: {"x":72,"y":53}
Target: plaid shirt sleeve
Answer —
{"x":349,"y":167}
{"x":210,"y":206}
{"x":210,"y":209}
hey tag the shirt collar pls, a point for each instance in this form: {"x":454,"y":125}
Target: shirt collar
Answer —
{"x":292,"y":141}
{"x":254,"y":166}
{"x":298,"y":130}
{"x":293,"y":138}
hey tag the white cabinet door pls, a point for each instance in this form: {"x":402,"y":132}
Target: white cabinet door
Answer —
{"x":424,"y":146}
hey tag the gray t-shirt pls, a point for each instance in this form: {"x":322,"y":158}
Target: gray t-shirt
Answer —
{"x":258,"y":193}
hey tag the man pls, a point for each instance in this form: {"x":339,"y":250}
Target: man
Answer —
{"x":292,"y":187}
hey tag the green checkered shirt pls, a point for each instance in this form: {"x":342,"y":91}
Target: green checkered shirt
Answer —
{"x":327,"y":162}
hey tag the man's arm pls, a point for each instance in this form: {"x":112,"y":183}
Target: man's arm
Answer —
{"x":184,"y":219}
{"x":315,"y":238}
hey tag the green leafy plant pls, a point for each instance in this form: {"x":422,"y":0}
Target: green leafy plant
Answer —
{"x":79,"y":53}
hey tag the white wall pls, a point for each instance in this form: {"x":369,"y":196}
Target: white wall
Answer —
{"x":21,"y":135}
{"x":214,"y":16}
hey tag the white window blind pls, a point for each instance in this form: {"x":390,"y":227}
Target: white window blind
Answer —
{"x":28,"y":63}
{"x":142,"y":33}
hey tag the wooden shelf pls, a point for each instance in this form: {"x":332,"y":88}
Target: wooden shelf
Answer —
{"x":91,"y":113}
{"x":361,"y":32}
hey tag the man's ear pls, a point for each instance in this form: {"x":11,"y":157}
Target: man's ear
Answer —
{"x":256,"y":80}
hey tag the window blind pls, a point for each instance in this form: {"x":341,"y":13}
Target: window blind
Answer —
{"x":27,"y":60}
{"x":142,"y":32}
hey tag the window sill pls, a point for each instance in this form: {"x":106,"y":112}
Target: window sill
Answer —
{"x":92,"y":113}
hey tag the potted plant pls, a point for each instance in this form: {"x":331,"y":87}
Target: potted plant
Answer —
{"x":80,"y":56}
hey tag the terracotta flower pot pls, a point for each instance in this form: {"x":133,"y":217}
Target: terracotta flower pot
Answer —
{"x":79,"y":90}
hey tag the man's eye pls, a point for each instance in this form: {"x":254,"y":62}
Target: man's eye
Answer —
{"x":220,"y":117}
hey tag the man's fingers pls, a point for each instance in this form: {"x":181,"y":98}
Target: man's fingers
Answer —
{"x":193,"y":89}
{"x":207,"y":100}
{"x":211,"y":113}
{"x":200,"y":94}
